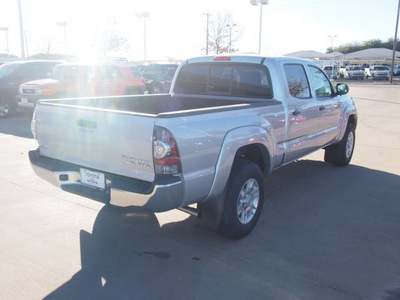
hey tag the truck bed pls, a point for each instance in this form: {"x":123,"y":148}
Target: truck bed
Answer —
{"x":153,"y":105}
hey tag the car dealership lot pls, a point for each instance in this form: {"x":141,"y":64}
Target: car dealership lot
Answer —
{"x":325,"y":232}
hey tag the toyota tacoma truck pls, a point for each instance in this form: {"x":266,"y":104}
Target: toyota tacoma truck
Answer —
{"x":353,"y":72}
{"x":377,"y":72}
{"x":206,"y":146}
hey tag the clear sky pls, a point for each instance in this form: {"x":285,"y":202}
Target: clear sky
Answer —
{"x":177,"y":28}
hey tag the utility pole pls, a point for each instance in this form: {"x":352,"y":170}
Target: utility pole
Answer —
{"x":395,"y":42}
{"x":21,"y":30}
{"x":208,"y":18}
{"x":230,"y":36}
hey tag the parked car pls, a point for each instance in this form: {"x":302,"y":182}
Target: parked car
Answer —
{"x":396,"y":70}
{"x":15,"y":73}
{"x":352,"y":72}
{"x":331,"y":71}
{"x":79,"y":80}
{"x":377,"y":72}
{"x":159,"y":77}
{"x":210,"y":141}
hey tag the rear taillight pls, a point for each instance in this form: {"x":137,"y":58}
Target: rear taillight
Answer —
{"x":33,"y":125}
{"x":222,"y":58}
{"x":165,"y":152}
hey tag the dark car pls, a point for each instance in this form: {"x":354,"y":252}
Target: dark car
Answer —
{"x":158,"y":77}
{"x":15,"y":73}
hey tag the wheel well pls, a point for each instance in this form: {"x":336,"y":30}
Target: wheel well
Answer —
{"x":353,"y":120}
{"x":256,"y":153}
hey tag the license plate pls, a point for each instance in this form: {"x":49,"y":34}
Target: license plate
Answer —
{"x":92,"y":179}
{"x":24,"y":100}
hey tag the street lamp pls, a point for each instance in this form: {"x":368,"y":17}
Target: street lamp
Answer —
{"x":332,"y":37}
{"x":144,"y":15}
{"x":6,"y":30}
{"x":64,"y":24}
{"x":255,"y":3}
{"x":333,"y":63}
{"x":230,"y":36}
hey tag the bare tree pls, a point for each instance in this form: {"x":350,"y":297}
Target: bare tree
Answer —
{"x":47,"y":46}
{"x":223,"y":34}
{"x":110,"y":39}
{"x":114,"y":41}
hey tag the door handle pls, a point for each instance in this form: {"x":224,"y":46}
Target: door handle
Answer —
{"x":86,"y":124}
{"x":296,"y":112}
{"x":322,"y":108}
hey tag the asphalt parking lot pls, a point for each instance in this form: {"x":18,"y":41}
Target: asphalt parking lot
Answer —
{"x":324,"y":233}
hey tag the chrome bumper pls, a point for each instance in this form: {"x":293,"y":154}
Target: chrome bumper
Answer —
{"x":120,"y":191}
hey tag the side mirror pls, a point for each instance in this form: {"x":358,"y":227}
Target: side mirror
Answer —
{"x":342,"y":89}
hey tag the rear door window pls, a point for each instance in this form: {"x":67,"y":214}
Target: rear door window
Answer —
{"x":297,"y":81}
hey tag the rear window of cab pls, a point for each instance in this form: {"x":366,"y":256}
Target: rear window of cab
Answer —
{"x":238,"y":80}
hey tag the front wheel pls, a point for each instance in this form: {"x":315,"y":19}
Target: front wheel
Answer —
{"x":340,"y":154}
{"x":243,"y":201}
{"x":7,"y":107}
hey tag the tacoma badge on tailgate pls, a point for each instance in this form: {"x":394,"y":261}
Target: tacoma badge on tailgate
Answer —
{"x":136,"y":161}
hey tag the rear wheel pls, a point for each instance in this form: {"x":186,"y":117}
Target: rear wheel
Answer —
{"x":340,"y":154}
{"x":243,"y":201}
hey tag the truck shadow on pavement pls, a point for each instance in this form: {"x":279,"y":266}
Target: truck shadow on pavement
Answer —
{"x":326,"y":231}
{"x":17,"y":124}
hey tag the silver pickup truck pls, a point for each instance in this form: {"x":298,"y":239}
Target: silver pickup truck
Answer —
{"x":227,"y":122}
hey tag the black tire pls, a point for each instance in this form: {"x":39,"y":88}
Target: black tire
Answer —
{"x":340,"y":154}
{"x":244,"y":200}
{"x":7,"y":107}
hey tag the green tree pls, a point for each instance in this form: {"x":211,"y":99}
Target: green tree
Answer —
{"x":357,"y":46}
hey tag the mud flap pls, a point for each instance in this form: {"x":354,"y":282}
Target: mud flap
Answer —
{"x":211,"y":214}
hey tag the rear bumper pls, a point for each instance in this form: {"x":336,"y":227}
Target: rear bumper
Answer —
{"x":29,"y":101}
{"x":163,"y":194}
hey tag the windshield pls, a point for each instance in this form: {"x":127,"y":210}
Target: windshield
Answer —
{"x":329,"y":68}
{"x":66,"y":72}
{"x":7,"y":69}
{"x":355,"y":68}
{"x":152,"y":69}
{"x":380,"y":68}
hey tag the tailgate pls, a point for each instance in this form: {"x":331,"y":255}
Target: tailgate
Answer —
{"x":110,"y":141}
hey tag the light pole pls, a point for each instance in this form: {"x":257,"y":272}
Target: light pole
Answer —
{"x":261,"y":3}
{"x":21,"y":29}
{"x":395,"y":42}
{"x":64,"y":24}
{"x":26,"y":44}
{"x":333,"y":63}
{"x":230,"y":36}
{"x":6,"y":31}
{"x":332,"y":37}
{"x":144,"y":15}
